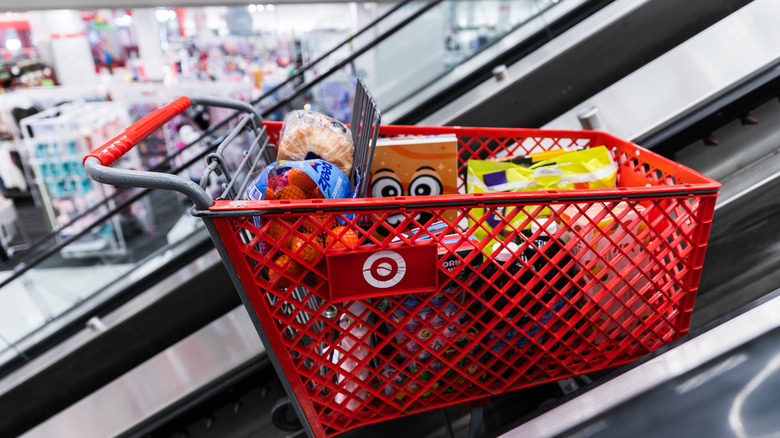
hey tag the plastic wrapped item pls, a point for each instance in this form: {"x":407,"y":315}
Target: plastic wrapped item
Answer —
{"x":305,"y":132}
{"x":612,"y":253}
{"x":290,"y":180}
{"x":304,"y":178}
{"x":583,"y":169}
{"x":580,"y":169}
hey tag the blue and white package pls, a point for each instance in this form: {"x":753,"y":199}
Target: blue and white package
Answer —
{"x":331,"y":181}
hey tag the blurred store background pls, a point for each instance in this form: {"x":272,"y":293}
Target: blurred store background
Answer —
{"x":256,"y":46}
{"x":117,"y":317}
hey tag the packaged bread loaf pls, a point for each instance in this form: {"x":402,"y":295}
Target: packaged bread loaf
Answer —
{"x":309,"y":131}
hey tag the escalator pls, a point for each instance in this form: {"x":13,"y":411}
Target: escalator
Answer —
{"x":159,"y":317}
{"x":115,"y":304}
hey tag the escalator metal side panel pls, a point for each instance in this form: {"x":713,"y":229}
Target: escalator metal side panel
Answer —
{"x":118,"y":292}
{"x":586,"y":59}
{"x":210,"y":354}
{"x":396,"y":114}
{"x":685,"y":357}
{"x":172,"y":309}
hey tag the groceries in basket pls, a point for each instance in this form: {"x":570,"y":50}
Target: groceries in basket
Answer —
{"x":306,"y":132}
{"x":523,"y":286}
{"x":439,"y":324}
{"x":309,"y":179}
{"x":308,"y":244}
{"x":419,"y":234}
{"x":581,"y":169}
{"x":610,"y":243}
{"x":415,"y":166}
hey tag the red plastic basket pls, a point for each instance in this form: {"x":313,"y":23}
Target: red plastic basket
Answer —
{"x":369,"y":327}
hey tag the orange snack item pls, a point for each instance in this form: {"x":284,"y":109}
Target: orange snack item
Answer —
{"x":290,"y":192}
{"x":348,"y":239}
{"x":315,"y":223}
{"x":284,"y":263}
{"x":308,"y":247}
{"x":277,"y":231}
{"x":298,"y":178}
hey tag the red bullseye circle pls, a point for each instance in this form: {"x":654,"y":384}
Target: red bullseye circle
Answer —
{"x":384,"y":269}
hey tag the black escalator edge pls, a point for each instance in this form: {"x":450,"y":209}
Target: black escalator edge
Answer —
{"x":729,"y":104}
{"x":585,"y":68}
{"x":509,"y":57}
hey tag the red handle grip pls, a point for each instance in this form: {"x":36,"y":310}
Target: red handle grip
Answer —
{"x":119,"y":145}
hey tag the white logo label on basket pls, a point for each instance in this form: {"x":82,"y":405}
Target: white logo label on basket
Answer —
{"x":384,"y":269}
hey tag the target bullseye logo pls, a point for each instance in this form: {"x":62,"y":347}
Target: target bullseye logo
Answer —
{"x":384,"y":269}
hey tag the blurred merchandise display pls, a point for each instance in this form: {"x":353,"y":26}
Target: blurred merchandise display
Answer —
{"x":141,"y":99}
{"x":111,"y":38}
{"x":20,"y":64}
{"x":260,"y":46}
{"x":56,"y":140}
{"x":21,"y":72}
{"x":17,"y":105}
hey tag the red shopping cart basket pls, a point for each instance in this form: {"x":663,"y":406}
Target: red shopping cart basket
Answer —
{"x":369,"y":319}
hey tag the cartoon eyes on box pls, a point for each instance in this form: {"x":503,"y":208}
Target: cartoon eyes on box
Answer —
{"x":424,"y":182}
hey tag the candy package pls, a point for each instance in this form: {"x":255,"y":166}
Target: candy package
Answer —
{"x":309,"y":134}
{"x":581,"y":169}
{"x":439,"y":323}
{"x":415,"y":166}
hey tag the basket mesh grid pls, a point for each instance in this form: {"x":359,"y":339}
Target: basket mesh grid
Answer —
{"x":606,"y":295}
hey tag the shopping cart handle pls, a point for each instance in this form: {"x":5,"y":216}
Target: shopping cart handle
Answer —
{"x":119,"y":145}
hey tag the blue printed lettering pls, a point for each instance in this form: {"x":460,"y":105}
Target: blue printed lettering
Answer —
{"x":324,"y":174}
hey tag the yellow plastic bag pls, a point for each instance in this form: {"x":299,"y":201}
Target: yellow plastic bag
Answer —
{"x":583,"y":169}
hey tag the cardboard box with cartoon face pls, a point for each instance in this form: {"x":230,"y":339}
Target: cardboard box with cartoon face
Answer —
{"x":415,"y":166}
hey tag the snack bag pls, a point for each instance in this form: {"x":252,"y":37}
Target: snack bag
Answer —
{"x":582,"y":169}
{"x":305,"y":132}
{"x":309,"y":179}
{"x":414,"y":166}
